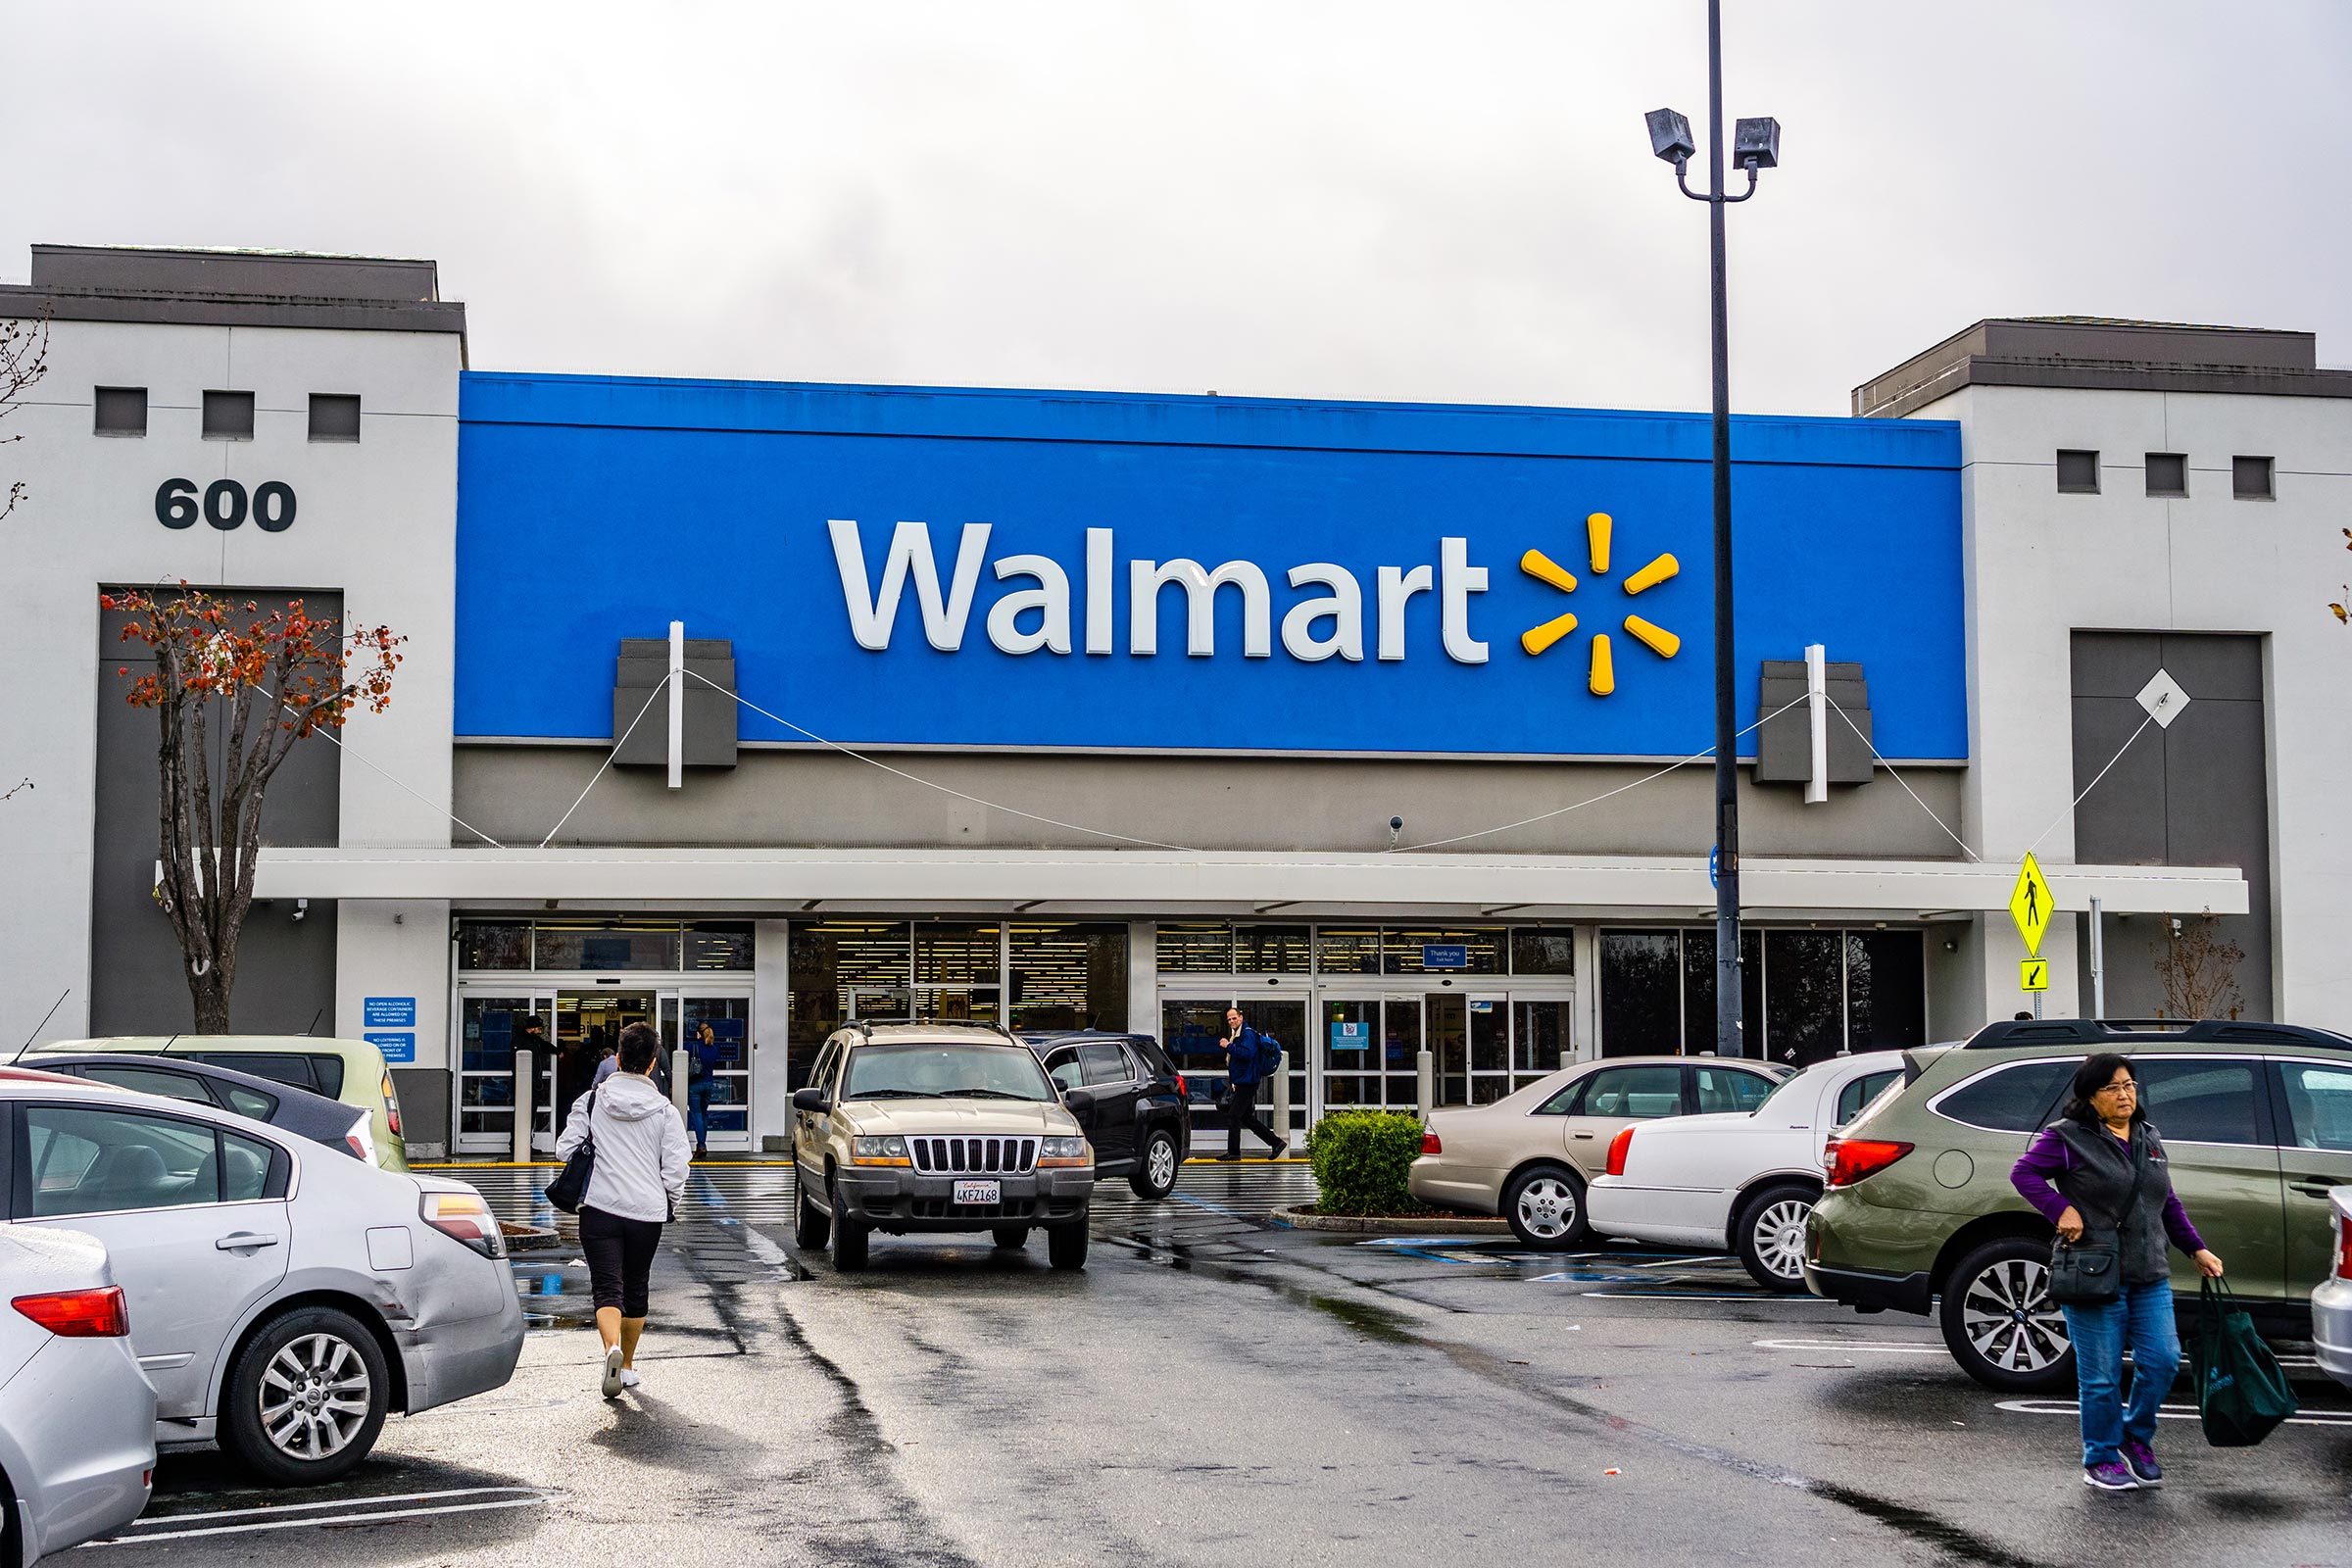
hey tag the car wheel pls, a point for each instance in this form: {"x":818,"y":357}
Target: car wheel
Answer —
{"x":1065,"y":1245}
{"x":1155,"y":1175}
{"x":1010,"y":1237}
{"x":306,"y":1397}
{"x":1545,"y":1207}
{"x":2000,"y":1321}
{"x":1770,"y":1236}
{"x":850,"y":1239}
{"x":812,"y":1225}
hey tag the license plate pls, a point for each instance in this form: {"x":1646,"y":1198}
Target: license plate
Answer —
{"x":979,"y":1191}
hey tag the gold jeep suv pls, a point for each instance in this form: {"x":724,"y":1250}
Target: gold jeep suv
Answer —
{"x":936,"y":1126}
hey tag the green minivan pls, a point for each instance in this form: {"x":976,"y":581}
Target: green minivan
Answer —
{"x":1919,"y":1215}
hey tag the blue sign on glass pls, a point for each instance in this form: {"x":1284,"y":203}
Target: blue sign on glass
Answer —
{"x":396,"y":1048}
{"x":1350,"y":1036}
{"x":388,"y":1012}
{"x":1445,"y":956}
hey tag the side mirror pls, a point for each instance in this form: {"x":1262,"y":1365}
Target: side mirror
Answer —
{"x":1078,"y":1098}
{"x":814,"y":1100}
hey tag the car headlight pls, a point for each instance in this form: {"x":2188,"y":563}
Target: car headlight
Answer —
{"x":1065,"y":1151}
{"x":886,"y":1150}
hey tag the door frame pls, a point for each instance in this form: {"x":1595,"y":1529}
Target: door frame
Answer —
{"x":1306,"y":1103}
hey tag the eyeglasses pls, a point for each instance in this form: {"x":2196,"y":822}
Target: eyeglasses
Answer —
{"x":2127,"y":1087}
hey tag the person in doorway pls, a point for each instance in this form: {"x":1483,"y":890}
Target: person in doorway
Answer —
{"x":701,"y":1070}
{"x":1247,"y":1052}
{"x":641,"y":1154}
{"x":2101,"y":1171}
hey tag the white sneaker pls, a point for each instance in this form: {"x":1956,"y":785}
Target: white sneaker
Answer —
{"x":628,"y":1377}
{"x":612,"y":1372}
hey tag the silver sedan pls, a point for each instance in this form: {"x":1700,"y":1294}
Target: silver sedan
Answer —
{"x":76,"y":1417}
{"x":284,"y":1298}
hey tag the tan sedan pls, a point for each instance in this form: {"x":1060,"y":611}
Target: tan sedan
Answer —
{"x":1528,"y":1156}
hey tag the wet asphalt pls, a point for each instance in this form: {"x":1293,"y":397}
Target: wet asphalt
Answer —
{"x":1217,"y":1388}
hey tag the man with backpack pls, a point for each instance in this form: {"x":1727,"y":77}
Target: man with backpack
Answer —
{"x":1252,"y":1059}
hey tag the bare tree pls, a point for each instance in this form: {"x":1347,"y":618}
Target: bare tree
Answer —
{"x":24,"y":358}
{"x":2198,"y":970}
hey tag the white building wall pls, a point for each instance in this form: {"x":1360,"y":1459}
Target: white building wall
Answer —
{"x":377,"y":521}
{"x":2041,"y":565}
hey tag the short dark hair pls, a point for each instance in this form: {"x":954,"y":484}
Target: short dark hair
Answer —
{"x":639,"y":1046}
{"x":2095,"y":1073}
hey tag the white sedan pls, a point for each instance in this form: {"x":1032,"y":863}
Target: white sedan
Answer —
{"x":1741,"y":1181}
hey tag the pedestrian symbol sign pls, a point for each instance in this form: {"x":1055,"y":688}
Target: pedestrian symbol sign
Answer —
{"x":2034,"y":974}
{"x":2030,"y":904}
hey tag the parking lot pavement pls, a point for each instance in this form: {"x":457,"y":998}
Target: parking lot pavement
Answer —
{"x":1214,"y":1388}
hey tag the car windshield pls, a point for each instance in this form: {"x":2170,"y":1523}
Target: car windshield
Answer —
{"x":933,"y":1070}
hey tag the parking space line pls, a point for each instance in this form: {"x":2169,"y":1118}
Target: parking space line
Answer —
{"x":2170,"y":1412}
{"x":337,"y":1503}
{"x":1875,"y":1347}
{"x":141,"y":1538}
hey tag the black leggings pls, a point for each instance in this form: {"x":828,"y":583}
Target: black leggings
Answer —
{"x":621,"y":1258}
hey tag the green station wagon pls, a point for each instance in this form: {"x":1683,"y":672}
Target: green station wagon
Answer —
{"x":1920,"y":1216}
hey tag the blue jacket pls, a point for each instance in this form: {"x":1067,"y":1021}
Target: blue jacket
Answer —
{"x":1245,"y":1063}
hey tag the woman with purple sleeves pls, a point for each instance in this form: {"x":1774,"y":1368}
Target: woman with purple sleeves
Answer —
{"x":2103,"y":1156}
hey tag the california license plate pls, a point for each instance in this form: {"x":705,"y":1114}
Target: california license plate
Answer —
{"x":979,"y":1191}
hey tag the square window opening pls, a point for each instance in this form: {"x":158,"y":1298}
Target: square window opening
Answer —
{"x":2168,"y":473}
{"x":2078,"y":474}
{"x":120,"y":410}
{"x":334,"y":417}
{"x":228,"y":415}
{"x":2250,"y":478}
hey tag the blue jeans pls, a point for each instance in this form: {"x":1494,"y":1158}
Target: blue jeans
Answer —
{"x":698,"y":1113}
{"x":2141,"y":1319}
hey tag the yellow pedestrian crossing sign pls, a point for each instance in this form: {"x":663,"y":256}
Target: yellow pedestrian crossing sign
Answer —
{"x":2034,"y":974}
{"x":2030,"y":904}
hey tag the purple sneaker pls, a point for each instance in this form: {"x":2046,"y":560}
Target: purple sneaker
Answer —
{"x":2140,"y":1459}
{"x":2112,"y":1475}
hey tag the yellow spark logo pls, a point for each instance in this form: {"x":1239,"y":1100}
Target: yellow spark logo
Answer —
{"x":1658,"y":639}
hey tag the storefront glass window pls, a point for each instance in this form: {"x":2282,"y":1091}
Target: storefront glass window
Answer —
{"x":1804,"y":990}
{"x":719,"y":945}
{"x":1404,"y":949}
{"x":603,"y":945}
{"x":1271,"y":950}
{"x":841,"y":969}
{"x":1543,"y":950}
{"x":1885,"y":991}
{"x":494,"y":945}
{"x":1640,"y":993}
{"x":1069,"y":976}
{"x":1348,"y":948}
{"x":1195,"y":947}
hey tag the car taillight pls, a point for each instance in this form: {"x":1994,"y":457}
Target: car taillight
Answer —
{"x":361,"y":1139}
{"x":464,"y":1216}
{"x":391,"y":1105}
{"x":1846,"y":1160}
{"x":1429,"y":1143}
{"x":1618,"y":1145}
{"x":2343,"y":1255}
{"x":1182,"y":1093}
{"x":78,"y":1314}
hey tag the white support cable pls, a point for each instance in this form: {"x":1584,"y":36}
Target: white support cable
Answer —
{"x":1897,"y":777}
{"x":396,"y":783}
{"x":606,"y":763}
{"x":1487,"y":832}
{"x":929,"y":784}
{"x":2093,"y":785}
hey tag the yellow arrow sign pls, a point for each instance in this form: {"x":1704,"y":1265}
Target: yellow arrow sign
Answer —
{"x":2030,"y":904}
{"x":2034,"y":974}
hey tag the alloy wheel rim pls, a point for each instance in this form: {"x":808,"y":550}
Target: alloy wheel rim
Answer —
{"x":2007,"y":1316}
{"x":1780,"y":1237}
{"x":1161,"y":1167}
{"x":1548,"y":1207}
{"x":314,"y":1396}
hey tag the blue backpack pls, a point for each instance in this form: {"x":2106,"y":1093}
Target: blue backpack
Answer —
{"x":1269,"y":1057}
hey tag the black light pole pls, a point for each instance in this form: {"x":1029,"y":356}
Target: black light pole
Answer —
{"x":1756,"y":145}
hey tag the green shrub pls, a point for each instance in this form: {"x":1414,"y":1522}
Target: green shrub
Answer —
{"x":1360,"y":1159}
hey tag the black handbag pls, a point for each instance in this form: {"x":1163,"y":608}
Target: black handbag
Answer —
{"x":569,"y":1189}
{"x":2092,"y":1275}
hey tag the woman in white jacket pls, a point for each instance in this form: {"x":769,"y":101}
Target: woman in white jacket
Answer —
{"x":641,"y":1154}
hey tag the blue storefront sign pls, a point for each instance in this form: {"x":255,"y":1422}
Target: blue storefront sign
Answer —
{"x":388,"y":1012}
{"x":397,"y":1048}
{"x":918,"y":567}
{"x":1445,"y":956}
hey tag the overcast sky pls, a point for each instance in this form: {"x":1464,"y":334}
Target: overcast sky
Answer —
{"x":1440,"y":201}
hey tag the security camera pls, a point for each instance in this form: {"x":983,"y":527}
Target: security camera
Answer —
{"x":1396,"y":829}
{"x":301,"y":908}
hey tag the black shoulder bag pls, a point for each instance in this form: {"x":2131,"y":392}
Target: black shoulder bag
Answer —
{"x":569,"y":1189}
{"x":2089,"y":1274}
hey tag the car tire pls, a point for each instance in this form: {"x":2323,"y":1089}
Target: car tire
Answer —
{"x":306,"y":1398}
{"x":850,"y":1239}
{"x":1066,"y":1245}
{"x":811,"y":1227}
{"x":1999,"y":1322}
{"x":1769,"y":1235}
{"x":1010,"y":1237}
{"x":1545,"y":1207}
{"x":1155,"y":1175}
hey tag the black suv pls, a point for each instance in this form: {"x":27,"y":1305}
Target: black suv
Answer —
{"x":1139,"y":1122}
